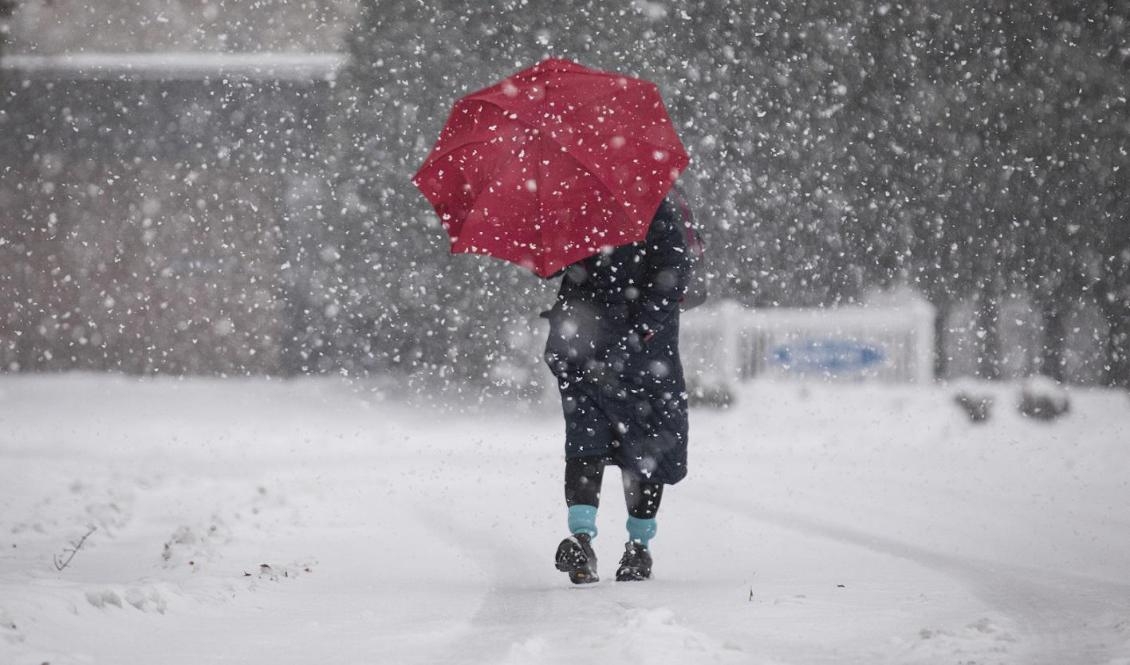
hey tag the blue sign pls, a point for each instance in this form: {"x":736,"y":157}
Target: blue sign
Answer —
{"x":834,"y":356}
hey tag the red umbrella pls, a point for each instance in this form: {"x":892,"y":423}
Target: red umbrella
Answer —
{"x":550,"y":165}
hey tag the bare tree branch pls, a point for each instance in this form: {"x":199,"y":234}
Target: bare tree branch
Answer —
{"x":70,"y":552}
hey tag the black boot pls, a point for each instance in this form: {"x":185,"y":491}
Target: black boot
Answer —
{"x":635,"y":564}
{"x":576,"y":557}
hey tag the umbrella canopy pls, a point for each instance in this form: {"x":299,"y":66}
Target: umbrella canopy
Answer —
{"x":552,"y":164}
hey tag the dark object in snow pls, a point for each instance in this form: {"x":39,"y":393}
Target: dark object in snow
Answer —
{"x":977,"y":407}
{"x":576,"y":557}
{"x":70,"y":552}
{"x":635,"y":565}
{"x":717,"y":397}
{"x":1043,"y":399}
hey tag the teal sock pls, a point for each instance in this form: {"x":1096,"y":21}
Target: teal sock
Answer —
{"x":640,"y":530}
{"x":582,"y":519}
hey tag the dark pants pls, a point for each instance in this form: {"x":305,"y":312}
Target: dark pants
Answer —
{"x":583,"y":477}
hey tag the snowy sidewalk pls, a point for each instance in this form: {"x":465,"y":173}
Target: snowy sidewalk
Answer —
{"x":254,"y":521}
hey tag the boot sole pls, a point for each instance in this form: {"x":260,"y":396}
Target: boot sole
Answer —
{"x":632,"y":576}
{"x":573,"y":560}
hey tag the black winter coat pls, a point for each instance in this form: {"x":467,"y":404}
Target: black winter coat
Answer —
{"x":614,"y":348}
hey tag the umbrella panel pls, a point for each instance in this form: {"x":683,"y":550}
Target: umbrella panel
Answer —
{"x":550,"y":165}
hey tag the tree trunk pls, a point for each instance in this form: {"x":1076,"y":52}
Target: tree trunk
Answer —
{"x":1117,"y":316}
{"x":988,"y":334}
{"x":941,"y":331}
{"x":1055,"y":338}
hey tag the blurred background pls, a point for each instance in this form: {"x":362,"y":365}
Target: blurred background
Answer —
{"x":222,"y":187}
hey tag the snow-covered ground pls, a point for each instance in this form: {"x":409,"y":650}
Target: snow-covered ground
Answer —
{"x":256,"y":521}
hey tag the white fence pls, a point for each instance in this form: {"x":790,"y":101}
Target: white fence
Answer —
{"x":888,"y":341}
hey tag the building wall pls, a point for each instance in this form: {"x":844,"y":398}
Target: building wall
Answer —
{"x":146,"y":225}
{"x":180,"y":25}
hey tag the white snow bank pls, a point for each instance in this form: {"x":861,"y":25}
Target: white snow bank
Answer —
{"x":301,"y":521}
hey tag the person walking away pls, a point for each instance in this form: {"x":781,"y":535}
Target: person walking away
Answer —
{"x":613,"y":347}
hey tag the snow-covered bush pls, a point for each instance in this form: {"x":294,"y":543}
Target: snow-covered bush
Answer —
{"x":978,"y":406}
{"x":1043,"y":398}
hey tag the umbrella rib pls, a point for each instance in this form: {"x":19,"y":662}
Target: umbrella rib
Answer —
{"x":599,"y":185}
{"x":633,"y":138}
{"x":511,"y":115}
{"x":588,"y":167}
{"x":448,"y":150}
{"x":474,"y":203}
